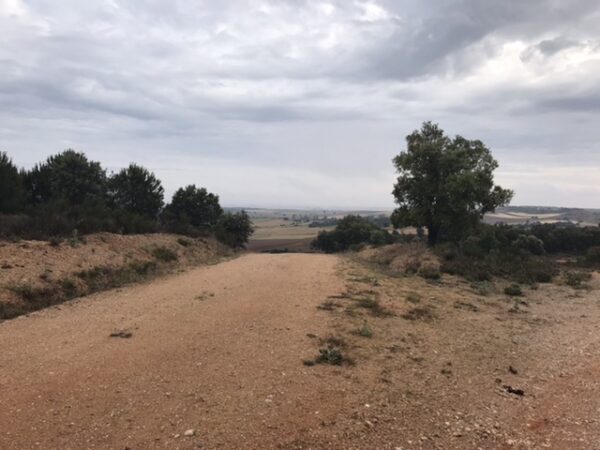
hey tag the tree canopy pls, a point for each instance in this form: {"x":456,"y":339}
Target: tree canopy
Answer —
{"x":136,"y":190}
{"x":11,"y":186}
{"x":445,"y":185}
{"x":68,"y":176}
{"x":234,"y":229}
{"x":194,"y":206}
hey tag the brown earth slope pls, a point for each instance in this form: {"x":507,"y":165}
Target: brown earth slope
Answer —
{"x":212,"y":358}
{"x":41,"y":269}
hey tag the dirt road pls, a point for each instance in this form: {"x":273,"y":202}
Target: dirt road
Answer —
{"x":212,"y":358}
{"x":216,"y":350}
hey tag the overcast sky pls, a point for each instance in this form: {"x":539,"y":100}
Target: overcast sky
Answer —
{"x":304,"y":103}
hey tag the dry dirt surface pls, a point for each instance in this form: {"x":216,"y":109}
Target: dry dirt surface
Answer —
{"x":213,"y":359}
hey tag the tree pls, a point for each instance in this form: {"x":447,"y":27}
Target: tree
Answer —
{"x":234,"y":229}
{"x":137,"y":191}
{"x":192,"y":206}
{"x":69,"y":177}
{"x":445,"y":185}
{"x":11,"y":186}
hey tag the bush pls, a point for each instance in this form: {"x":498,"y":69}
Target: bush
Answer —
{"x":575,"y":278}
{"x":514,"y":290}
{"x":352,"y":232}
{"x":365,"y":330}
{"x":529,"y":243}
{"x":430,"y":272}
{"x":164,"y":254}
{"x":592,"y":256}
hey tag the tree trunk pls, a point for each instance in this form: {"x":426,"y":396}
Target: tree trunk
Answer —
{"x":432,"y":235}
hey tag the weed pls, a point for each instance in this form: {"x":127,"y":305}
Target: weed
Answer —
{"x":413,"y":297}
{"x":366,"y":279}
{"x":423,"y":314}
{"x":483,"y":288}
{"x":330,"y":355}
{"x":514,"y":290}
{"x":328,"y":305}
{"x":373,"y":306}
{"x":412,"y":266}
{"x":205,"y":295}
{"x":164,"y":254}
{"x":576,"y":279}
{"x":430,"y":272}
{"x":55,"y":241}
{"x":466,"y":305}
{"x":69,"y":288}
{"x":36,"y":297}
{"x":343,"y":295}
{"x":74,"y":240}
{"x":46,"y":275}
{"x":333,"y":341}
{"x":365,"y":330}
{"x":184,"y":242}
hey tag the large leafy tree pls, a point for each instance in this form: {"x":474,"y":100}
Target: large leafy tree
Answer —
{"x":445,"y":185}
{"x":194,"y":206}
{"x":11,"y":186}
{"x":137,"y":191}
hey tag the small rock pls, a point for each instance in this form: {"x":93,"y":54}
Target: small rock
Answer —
{"x":189,"y":432}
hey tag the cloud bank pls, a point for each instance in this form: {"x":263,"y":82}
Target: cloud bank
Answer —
{"x":304,"y":103}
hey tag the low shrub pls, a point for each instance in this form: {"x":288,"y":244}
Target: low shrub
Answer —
{"x":576,"y":279}
{"x":365,"y":330}
{"x":413,"y":298}
{"x":430,"y":272}
{"x":514,"y":290}
{"x":352,"y":233}
{"x":164,"y":254}
{"x":184,"y":242}
{"x":592,"y":255}
{"x":424,"y":314}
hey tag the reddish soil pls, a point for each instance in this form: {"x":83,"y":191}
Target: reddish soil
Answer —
{"x":219,"y":350}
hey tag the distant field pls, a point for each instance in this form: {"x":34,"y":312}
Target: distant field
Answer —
{"x":268,"y":228}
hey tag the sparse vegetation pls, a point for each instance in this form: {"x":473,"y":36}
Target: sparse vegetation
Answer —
{"x":483,"y":288}
{"x":373,"y":306}
{"x":164,"y":254}
{"x":576,"y":278}
{"x":365,"y":330}
{"x":430,"y":272}
{"x":419,"y":313}
{"x":184,"y":242}
{"x":328,"y":305}
{"x":514,"y":290}
{"x":413,"y":298}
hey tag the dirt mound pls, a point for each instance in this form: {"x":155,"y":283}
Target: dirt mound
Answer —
{"x":402,"y":258}
{"x":48,"y":272}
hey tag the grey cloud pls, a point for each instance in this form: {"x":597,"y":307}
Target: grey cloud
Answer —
{"x":297,"y":84}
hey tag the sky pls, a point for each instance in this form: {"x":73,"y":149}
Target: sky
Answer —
{"x":301,"y":103}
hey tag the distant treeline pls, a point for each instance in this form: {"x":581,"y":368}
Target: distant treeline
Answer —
{"x":67,"y":193}
{"x":381,"y":221}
